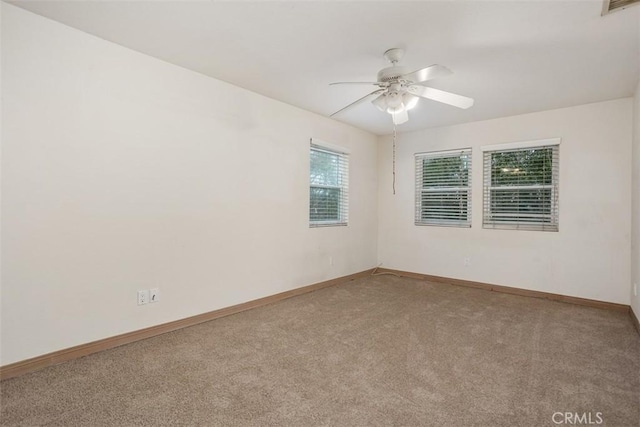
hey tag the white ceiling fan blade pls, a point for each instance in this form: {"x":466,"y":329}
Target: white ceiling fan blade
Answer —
{"x":354,"y":103}
{"x":400,"y":117}
{"x":424,"y":74}
{"x":441,"y":96}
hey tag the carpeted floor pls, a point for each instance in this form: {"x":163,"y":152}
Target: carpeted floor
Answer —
{"x":381,"y":351}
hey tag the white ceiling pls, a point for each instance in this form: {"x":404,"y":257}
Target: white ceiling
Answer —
{"x":513,"y":56}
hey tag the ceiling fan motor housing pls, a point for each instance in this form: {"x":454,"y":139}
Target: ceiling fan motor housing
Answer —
{"x":391,"y":74}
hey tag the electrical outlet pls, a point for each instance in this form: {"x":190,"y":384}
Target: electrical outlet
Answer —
{"x":143,"y":297}
{"x":635,"y":289}
{"x":467,"y":262}
{"x":330,"y":260}
{"x":154,"y":295}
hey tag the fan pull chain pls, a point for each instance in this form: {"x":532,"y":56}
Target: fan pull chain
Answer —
{"x":394,"y":158}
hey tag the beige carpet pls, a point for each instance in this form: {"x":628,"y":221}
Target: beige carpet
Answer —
{"x":381,"y":351}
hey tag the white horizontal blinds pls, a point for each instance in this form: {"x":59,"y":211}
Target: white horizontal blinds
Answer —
{"x":521,"y":188}
{"x":328,"y":187}
{"x":443,"y":188}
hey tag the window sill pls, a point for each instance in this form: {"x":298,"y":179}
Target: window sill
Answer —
{"x":327,"y":224}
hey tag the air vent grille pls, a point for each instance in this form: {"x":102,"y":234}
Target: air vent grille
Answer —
{"x":611,"y":5}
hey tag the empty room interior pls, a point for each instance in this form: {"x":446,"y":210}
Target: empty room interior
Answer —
{"x":300,"y":213}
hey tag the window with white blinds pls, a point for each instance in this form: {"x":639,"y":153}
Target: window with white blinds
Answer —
{"x":443,"y":188}
{"x":521,"y":188}
{"x":328,"y":187}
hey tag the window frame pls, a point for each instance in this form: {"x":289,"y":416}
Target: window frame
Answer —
{"x":342,"y":186}
{"x":489,"y":219}
{"x":420,"y":189}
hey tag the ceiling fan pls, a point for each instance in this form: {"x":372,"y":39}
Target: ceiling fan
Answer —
{"x":399,"y":90}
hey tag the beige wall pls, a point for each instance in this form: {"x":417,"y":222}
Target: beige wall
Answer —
{"x":122,"y":172}
{"x":588,"y":257}
{"x":635,"y":197}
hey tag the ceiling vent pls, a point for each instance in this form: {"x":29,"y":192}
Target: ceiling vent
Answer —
{"x":613,"y":5}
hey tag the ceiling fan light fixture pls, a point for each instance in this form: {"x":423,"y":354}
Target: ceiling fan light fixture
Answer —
{"x":409,"y":101}
{"x":394,"y":99}
{"x":395,"y":110}
{"x":380,"y":102}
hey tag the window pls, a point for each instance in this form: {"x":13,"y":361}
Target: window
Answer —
{"x":328,"y":187}
{"x":521,"y":186}
{"x":443,"y":188}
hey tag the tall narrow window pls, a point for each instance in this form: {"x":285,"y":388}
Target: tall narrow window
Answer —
{"x":521,"y":186}
{"x":443,"y":188}
{"x":328,"y":187}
